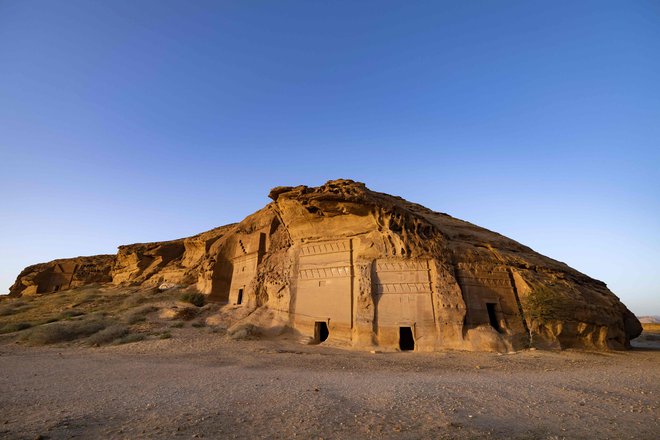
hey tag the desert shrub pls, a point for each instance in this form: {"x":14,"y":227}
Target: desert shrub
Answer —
{"x":186,"y":313}
{"x":144,"y":296}
{"x":140,"y":314}
{"x":63,"y":331}
{"x":165,"y":335}
{"x":194,"y":298}
{"x":135,"y":300}
{"x":544,"y":305}
{"x":108,"y":335}
{"x":134,"y":319}
{"x":15,"y":327}
{"x":86,"y":296}
{"x":129,"y":338}
{"x":14,"y":307}
{"x":68,"y":314}
{"x":198,"y":324}
{"x":177,"y":325}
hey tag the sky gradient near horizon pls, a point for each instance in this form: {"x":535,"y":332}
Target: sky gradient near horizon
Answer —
{"x":127,"y":121}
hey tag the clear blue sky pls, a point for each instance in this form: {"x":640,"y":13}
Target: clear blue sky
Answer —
{"x":133,"y":121}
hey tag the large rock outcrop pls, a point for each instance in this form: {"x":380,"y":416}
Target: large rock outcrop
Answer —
{"x":63,"y":274}
{"x":372,"y":270}
{"x":175,"y":261}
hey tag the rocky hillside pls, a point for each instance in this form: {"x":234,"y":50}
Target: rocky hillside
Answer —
{"x":370,"y":270}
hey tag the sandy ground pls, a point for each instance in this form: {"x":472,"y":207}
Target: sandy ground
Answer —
{"x":204,"y":385}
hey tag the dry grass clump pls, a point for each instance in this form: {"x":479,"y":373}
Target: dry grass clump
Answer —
{"x":68,"y":314}
{"x":140,"y":297}
{"x":129,"y":338}
{"x":93,"y":315}
{"x":140,"y":314}
{"x":194,"y":298}
{"x":108,"y":335}
{"x":14,"y":327}
{"x":13,"y":307}
{"x":137,"y":299}
{"x":186,"y":314}
{"x":64,"y":331}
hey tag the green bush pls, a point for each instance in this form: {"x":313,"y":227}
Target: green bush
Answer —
{"x":165,"y":335}
{"x":544,"y":305}
{"x":194,"y":298}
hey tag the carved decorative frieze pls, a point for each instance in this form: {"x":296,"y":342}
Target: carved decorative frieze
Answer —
{"x":324,"y":273}
{"x":325,"y":248}
{"x":382,"y":289}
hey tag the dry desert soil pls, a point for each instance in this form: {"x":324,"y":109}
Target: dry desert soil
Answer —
{"x":202,"y":384}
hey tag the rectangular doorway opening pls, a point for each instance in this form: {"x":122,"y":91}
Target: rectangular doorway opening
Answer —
{"x":492,"y":316}
{"x":321,"y":331}
{"x":406,"y":339}
{"x":239,"y":300}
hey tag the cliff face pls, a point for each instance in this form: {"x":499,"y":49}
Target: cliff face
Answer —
{"x":175,"y":261}
{"x":369,"y":269}
{"x":63,"y":274}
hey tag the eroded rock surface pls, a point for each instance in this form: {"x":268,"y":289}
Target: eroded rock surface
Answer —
{"x":63,"y":274}
{"x":368,"y":269}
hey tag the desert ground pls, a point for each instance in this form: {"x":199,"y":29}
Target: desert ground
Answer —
{"x":195,"y":380}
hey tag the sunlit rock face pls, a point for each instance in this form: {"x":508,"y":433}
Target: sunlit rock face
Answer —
{"x":364,"y":269}
{"x":63,"y":274}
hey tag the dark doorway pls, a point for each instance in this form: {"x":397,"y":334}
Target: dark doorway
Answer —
{"x":492,"y":316}
{"x":56,"y":288}
{"x":240,"y":296}
{"x":406,"y":340}
{"x":321,"y":332}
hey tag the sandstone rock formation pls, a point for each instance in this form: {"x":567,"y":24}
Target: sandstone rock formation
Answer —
{"x":368,"y":269}
{"x":63,"y":274}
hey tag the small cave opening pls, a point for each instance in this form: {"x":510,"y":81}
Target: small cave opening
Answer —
{"x":56,"y":288}
{"x":321,"y":331}
{"x":239,"y":300}
{"x":314,"y":210}
{"x":406,"y":339}
{"x":492,"y":316}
